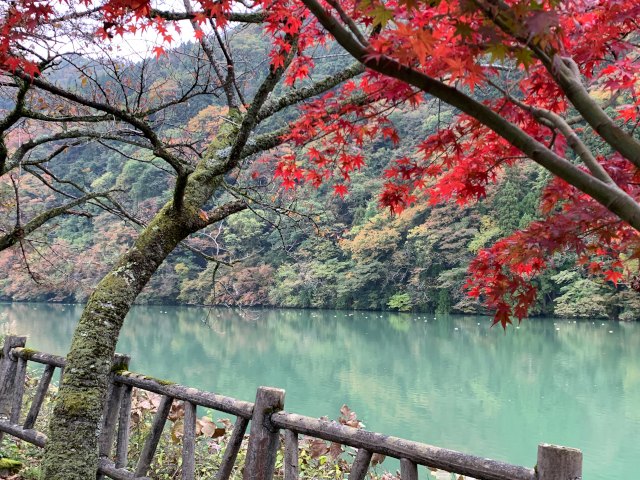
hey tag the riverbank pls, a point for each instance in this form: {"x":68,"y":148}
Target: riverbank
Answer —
{"x":259,"y":308}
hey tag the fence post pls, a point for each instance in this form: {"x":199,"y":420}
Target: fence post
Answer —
{"x":408,"y":469}
{"x":291,"y":460}
{"x":111,"y":408}
{"x":558,"y":463}
{"x":360,"y":465}
{"x":124,"y":421}
{"x":151,"y":443}
{"x":18,"y":390}
{"x":189,"y":441}
{"x":264,"y":438}
{"x":233,"y":447}
{"x":38,"y":399}
{"x":8,"y":367}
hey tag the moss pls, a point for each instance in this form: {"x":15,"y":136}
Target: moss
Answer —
{"x":11,"y":465}
{"x":28,"y":353}
{"x":159,"y":381}
{"x":165,"y":383}
{"x":119,"y":369}
{"x":75,"y":403}
{"x":121,"y":366}
{"x":226,"y":133}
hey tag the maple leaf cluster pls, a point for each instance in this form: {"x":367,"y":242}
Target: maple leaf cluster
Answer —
{"x":16,"y":20}
{"x":469,"y":49}
{"x":335,"y":127}
{"x":21,"y":19}
{"x":606,"y":247}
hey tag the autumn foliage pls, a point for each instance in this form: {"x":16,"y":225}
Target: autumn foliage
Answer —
{"x":551,"y":81}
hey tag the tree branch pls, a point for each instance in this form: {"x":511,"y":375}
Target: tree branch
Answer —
{"x":20,"y":232}
{"x":553,"y":120}
{"x":145,"y":129}
{"x":567,"y":75}
{"x":295,"y":96}
{"x":564,"y":71}
{"x":10,"y":120}
{"x":611,"y":197}
{"x":225,"y":210}
{"x":250,"y":119}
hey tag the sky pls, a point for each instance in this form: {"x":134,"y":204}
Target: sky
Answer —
{"x":132,"y":46}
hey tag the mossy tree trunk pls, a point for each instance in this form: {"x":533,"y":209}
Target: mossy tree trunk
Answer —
{"x":71,"y":451}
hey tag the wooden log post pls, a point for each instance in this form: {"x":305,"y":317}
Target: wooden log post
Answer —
{"x":233,"y":447}
{"x":291,"y":461}
{"x":107,"y":467}
{"x":8,"y":367}
{"x":214,"y":401}
{"x":111,"y":408}
{"x":264,"y":438}
{"x":420,"y":453}
{"x":38,"y":399}
{"x":36,"y":438}
{"x":109,"y":416}
{"x":18,"y":391}
{"x":189,"y":442}
{"x":151,"y":443}
{"x":408,"y":469}
{"x":124,"y":422}
{"x":360,"y":465}
{"x":558,"y":463}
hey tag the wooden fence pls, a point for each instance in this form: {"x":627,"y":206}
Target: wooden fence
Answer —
{"x":267,"y":421}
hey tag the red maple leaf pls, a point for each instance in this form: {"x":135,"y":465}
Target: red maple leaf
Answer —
{"x":613,"y":276}
{"x":159,"y":51}
{"x":340,"y":189}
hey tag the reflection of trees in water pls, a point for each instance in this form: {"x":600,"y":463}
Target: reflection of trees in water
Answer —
{"x":473,"y":388}
{"x":49,"y":326}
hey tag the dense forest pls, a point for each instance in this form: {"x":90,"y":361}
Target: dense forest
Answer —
{"x":315,"y":250}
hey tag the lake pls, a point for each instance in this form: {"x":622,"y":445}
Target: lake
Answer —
{"x":450,"y":381}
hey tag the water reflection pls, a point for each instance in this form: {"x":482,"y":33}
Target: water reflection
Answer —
{"x":442,"y":380}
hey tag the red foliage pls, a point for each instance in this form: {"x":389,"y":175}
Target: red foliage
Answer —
{"x":451,"y":40}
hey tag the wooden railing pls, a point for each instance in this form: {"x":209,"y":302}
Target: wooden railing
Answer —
{"x":267,"y":421}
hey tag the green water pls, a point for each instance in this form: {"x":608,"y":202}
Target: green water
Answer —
{"x":449,"y":381}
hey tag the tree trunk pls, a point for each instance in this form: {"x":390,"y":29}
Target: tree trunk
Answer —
{"x":71,"y":451}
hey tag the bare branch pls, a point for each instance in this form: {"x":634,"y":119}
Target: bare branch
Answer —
{"x":159,"y":150}
{"x":20,"y":232}
{"x":296,"y":96}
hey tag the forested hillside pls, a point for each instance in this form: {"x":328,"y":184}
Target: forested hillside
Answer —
{"x":316,"y":250}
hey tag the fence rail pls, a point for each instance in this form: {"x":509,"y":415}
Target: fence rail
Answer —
{"x":267,"y":418}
